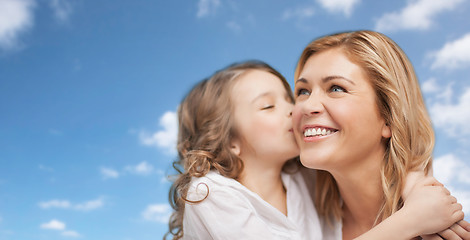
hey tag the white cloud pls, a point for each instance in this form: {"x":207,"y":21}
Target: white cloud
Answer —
{"x":206,"y":7}
{"x":55,"y":132}
{"x":70,"y":233}
{"x":438,"y":92}
{"x":109,"y":173}
{"x":157,"y":212}
{"x":430,"y":86}
{"x":166,"y":138}
{"x":341,"y":6}
{"x":452,"y":117}
{"x":453,"y":55}
{"x":449,"y":168}
{"x":54,"y":225}
{"x":142,"y":168}
{"x":16,"y":17}
{"x":452,"y":172}
{"x":65,"y":204}
{"x":55,"y":204}
{"x":299,"y":13}
{"x":89,"y":205}
{"x":234,"y":26}
{"x":463,"y":197}
{"x":45,"y":168}
{"x":62,"y":9}
{"x":418,"y":14}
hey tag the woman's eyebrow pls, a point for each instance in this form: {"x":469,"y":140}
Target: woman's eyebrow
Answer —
{"x":326,"y":79}
{"x":303,"y":80}
{"x":329,"y":78}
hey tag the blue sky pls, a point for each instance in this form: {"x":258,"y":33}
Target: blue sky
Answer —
{"x":89,"y":90}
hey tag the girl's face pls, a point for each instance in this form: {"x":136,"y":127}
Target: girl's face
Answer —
{"x":336,"y":118}
{"x":263,"y":122}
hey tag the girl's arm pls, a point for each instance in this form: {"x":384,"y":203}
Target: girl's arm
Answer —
{"x":429,"y":208}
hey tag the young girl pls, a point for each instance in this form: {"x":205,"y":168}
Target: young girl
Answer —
{"x":241,"y":178}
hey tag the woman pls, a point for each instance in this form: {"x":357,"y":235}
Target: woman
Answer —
{"x":360,"y":118}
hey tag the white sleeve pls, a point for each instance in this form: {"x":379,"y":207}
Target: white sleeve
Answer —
{"x":224,"y":214}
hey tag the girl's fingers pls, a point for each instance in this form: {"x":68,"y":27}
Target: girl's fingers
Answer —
{"x":461,"y":231}
{"x":431,"y":237}
{"x":449,"y":234}
{"x":465,"y":225}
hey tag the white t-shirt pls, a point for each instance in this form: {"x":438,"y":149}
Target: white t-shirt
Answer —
{"x":231,"y":211}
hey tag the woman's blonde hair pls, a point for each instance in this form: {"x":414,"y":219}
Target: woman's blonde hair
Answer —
{"x":205,"y":130}
{"x":401,"y":105}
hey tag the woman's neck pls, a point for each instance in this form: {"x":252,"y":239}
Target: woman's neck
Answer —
{"x":361,"y":191}
{"x":265,"y":181}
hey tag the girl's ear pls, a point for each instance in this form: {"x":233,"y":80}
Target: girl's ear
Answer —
{"x":235,"y":146}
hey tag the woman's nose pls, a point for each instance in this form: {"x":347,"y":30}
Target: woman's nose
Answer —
{"x":313,"y":105}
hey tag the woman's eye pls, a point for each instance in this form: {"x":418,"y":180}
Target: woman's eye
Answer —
{"x":303,"y":91}
{"x":336,"y":88}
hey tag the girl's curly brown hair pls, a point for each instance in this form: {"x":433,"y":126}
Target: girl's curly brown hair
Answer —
{"x":204,"y":135}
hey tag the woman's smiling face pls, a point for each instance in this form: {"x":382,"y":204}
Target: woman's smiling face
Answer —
{"x":336,"y":119}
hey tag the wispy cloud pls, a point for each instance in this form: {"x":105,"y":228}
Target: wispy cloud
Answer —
{"x":55,"y":204}
{"x":70,"y":233}
{"x":454,"y":54}
{"x":207,"y":7}
{"x":157,"y":212}
{"x":16,"y":17}
{"x":62,"y":9}
{"x":345,"y":7}
{"x":453,"y":173}
{"x":166,"y":138}
{"x":142,"y":168}
{"x":45,"y":168}
{"x":234,"y":26}
{"x":57,"y":225}
{"x":417,"y":15}
{"x":452,"y":117}
{"x":298,"y":13}
{"x":450,"y":169}
{"x":438,"y":91}
{"x":89,"y":205}
{"x":65,"y":204}
{"x":53,"y":225}
{"x":108,"y":173}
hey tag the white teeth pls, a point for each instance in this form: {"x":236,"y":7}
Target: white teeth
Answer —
{"x":312,"y":132}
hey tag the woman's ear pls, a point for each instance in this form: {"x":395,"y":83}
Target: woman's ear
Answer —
{"x":235,"y":146}
{"x":386,"y":132}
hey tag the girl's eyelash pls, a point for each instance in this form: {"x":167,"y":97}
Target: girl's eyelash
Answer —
{"x":267,"y":107}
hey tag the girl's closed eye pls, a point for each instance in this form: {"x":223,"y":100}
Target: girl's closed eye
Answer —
{"x":267,"y":106}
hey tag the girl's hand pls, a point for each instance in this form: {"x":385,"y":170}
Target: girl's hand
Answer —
{"x":458,"y":231}
{"x":431,"y":206}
